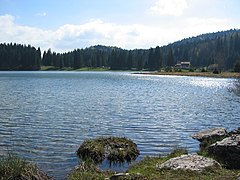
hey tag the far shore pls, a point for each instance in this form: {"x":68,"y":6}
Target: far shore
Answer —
{"x":202,"y":74}
{"x":145,"y":72}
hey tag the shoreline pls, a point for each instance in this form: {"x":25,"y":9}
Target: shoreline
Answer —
{"x":197,"y":74}
{"x":143,"y":72}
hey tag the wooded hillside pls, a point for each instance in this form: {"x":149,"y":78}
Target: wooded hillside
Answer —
{"x":220,"y":50}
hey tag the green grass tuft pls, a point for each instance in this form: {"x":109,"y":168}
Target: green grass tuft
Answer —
{"x":114,"y":149}
{"x":12,"y":167}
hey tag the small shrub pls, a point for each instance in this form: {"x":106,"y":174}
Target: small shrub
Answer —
{"x":215,"y":71}
{"x":177,"y":152}
{"x":209,"y":141}
{"x":237,"y":67}
{"x":168,"y":69}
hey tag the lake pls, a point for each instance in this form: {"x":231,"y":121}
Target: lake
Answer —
{"x":45,"y":116}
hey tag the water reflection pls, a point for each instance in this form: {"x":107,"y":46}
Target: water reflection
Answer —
{"x":212,"y":83}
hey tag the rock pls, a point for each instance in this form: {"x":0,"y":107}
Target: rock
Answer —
{"x":227,"y":151}
{"x":119,"y":175}
{"x":191,"y":162}
{"x":234,"y":132}
{"x":214,"y":133}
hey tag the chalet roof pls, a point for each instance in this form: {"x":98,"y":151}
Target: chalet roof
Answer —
{"x":185,"y":62}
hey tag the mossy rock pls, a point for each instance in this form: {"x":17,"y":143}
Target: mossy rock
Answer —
{"x":114,"y":149}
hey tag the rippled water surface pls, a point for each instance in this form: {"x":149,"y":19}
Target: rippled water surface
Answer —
{"x":45,"y":116}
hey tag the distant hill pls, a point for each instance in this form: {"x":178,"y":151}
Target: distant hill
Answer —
{"x":206,"y":37}
{"x":220,"y":50}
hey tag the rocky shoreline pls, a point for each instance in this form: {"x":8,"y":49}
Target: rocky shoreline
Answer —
{"x":222,"y":148}
{"x":219,"y":149}
{"x":221,"y":145}
{"x":218,"y":158}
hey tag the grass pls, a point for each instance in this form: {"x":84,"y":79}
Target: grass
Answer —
{"x":48,"y":68}
{"x":205,"y":143}
{"x":88,"y":170}
{"x":147,"y":168}
{"x":115,"y":149}
{"x":53,"y":68}
{"x":93,"y":69}
{"x":12,"y":167}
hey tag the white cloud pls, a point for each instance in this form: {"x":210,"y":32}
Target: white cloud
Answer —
{"x":169,"y":7}
{"x":6,"y":21}
{"x":69,"y":37}
{"x":11,"y":32}
{"x":43,"y":14}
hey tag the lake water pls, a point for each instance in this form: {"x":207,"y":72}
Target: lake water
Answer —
{"x":45,"y":116}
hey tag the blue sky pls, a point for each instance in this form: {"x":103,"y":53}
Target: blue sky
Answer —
{"x":64,"y":25}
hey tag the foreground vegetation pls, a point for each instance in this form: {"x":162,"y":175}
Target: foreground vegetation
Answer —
{"x":147,"y":167}
{"x":88,"y":170}
{"x":146,"y":170}
{"x":12,"y":167}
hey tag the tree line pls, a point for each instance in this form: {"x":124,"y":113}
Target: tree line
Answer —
{"x":19,"y":57}
{"x":221,"y":50}
{"x":102,"y":56}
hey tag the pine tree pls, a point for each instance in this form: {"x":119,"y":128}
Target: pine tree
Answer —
{"x":170,"y":59}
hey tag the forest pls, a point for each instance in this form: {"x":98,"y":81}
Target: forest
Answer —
{"x":220,"y":50}
{"x":19,"y":57}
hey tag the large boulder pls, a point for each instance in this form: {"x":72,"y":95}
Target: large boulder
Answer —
{"x":214,"y":133}
{"x":227,"y":151}
{"x":210,"y":136}
{"x":191,"y":162}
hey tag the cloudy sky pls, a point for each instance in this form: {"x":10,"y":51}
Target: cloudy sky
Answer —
{"x":64,"y":25}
